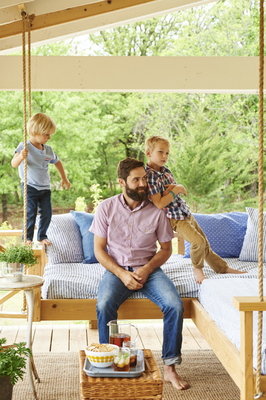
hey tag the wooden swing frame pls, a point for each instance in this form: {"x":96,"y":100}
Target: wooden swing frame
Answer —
{"x":239,"y":364}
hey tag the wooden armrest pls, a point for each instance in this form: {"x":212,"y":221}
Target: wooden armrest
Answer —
{"x":15,"y":232}
{"x":249,"y":303}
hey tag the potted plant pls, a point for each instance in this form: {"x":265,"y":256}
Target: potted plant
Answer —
{"x":12,"y":366}
{"x":13,"y":257}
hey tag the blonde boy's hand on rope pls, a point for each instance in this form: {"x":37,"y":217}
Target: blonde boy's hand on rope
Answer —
{"x":19,"y":157}
{"x":24,"y":153}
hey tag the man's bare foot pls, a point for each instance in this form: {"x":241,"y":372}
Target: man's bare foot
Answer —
{"x":46,"y":241}
{"x":199,"y":275}
{"x":234,"y":271}
{"x":29,"y":242}
{"x":171,"y":376}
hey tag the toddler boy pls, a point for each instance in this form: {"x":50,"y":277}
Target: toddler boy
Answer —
{"x":39,"y":155}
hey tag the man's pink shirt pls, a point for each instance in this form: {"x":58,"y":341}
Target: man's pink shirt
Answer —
{"x":131,"y":234}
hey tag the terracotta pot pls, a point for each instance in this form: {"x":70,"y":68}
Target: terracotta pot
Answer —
{"x":6,"y":388}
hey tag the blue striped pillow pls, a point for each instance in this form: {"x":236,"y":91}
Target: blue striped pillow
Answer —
{"x":249,"y":251}
{"x":66,"y":240}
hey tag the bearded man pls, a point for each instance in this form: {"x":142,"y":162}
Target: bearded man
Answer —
{"x":130,"y":226}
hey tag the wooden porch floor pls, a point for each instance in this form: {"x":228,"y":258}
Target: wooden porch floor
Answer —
{"x":74,"y":337}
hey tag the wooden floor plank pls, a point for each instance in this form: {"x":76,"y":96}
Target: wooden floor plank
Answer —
{"x":10,"y":333}
{"x":188,"y":340}
{"x":22,"y":333}
{"x":93,"y":336}
{"x":203,"y":344}
{"x":78,"y":337}
{"x":60,"y":339}
{"x":149,"y":338}
{"x":42,"y":339}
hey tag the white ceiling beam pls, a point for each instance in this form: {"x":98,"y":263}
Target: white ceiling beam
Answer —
{"x":135,"y":74}
{"x":40,"y":7}
{"x":100,"y":22}
{"x":70,"y":15}
{"x":11,"y":3}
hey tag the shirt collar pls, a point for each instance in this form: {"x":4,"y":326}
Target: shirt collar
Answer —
{"x":161,"y":172}
{"x":125,"y":205}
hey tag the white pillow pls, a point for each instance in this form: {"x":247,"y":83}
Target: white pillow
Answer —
{"x":249,"y":251}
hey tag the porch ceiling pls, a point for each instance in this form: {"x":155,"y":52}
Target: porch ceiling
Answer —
{"x":61,"y":19}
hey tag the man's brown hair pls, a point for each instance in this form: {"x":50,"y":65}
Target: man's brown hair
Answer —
{"x":126,"y":165}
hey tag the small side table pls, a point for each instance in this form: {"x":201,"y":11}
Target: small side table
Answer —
{"x":28,"y":284}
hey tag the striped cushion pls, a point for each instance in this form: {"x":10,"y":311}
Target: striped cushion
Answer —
{"x":81,"y":281}
{"x":249,"y":251}
{"x":66,"y":240}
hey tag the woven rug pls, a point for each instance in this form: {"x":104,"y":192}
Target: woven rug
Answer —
{"x":59,"y":374}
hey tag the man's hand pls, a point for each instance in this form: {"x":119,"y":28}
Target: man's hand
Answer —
{"x":142,"y":274}
{"x":66,"y":183}
{"x":131,"y":280}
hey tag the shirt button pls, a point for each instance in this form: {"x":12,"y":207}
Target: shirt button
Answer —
{"x":127,"y":249}
{"x":127,"y":238}
{"x":129,"y":226}
{"x":130,"y":261}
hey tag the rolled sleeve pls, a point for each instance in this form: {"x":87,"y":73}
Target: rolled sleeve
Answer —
{"x":99,"y":225}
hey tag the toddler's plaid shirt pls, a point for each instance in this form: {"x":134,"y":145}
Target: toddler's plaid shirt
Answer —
{"x":178,"y":208}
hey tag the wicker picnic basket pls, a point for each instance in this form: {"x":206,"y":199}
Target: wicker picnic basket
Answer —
{"x":148,"y":386}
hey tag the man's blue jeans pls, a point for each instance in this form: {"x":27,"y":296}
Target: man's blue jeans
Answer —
{"x":159,"y":289}
{"x":42,"y":199}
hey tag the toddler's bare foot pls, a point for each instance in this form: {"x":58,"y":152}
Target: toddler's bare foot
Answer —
{"x":234,"y":271}
{"x":46,"y":241}
{"x":199,"y":275}
{"x":171,"y":376}
{"x":29,"y":242}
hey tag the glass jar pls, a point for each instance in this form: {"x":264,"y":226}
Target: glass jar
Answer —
{"x":12,"y":272}
{"x":131,"y":345}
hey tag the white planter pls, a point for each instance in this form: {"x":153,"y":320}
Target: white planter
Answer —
{"x":12,"y":272}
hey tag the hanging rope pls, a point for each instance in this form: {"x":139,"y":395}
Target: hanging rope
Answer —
{"x":260,"y":257}
{"x":25,"y":20}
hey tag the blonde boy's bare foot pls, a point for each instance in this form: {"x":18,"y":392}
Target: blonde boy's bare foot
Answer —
{"x":171,"y":376}
{"x":234,"y":271}
{"x":29,"y":242}
{"x":46,"y":241}
{"x":199,"y":275}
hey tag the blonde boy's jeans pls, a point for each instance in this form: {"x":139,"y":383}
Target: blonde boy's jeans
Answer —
{"x":200,"y":249}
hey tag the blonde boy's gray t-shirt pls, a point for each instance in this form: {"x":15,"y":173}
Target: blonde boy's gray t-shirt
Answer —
{"x":37,"y":165}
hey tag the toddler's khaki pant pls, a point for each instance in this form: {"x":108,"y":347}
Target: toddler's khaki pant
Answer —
{"x":200,"y":249}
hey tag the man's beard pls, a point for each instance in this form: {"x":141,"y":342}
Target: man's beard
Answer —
{"x":135,"y":194}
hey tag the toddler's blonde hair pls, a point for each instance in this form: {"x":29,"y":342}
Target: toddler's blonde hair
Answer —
{"x":40,"y":124}
{"x":153,"y":140}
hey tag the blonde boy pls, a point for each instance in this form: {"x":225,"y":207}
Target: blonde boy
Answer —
{"x":39,"y":155}
{"x":165,"y":194}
